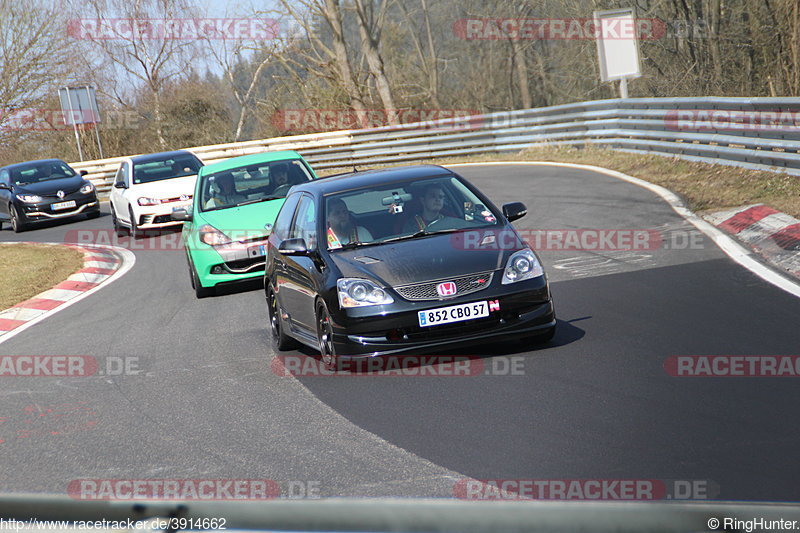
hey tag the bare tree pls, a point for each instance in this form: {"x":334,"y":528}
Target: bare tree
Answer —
{"x":148,"y":57}
{"x":34,"y":59}
{"x":328,"y":60}
{"x":369,"y":28}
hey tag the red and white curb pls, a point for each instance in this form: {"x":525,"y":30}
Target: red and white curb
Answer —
{"x":771,"y":233}
{"x":101,"y":266}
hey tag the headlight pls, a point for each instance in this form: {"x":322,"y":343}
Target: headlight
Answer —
{"x":88,"y":188}
{"x":354,"y":292}
{"x":149,"y":201}
{"x":29,"y":198}
{"x":522,"y":265}
{"x":212,"y":236}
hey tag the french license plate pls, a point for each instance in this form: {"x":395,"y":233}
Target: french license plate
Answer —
{"x":454,"y":313}
{"x":62,"y":205}
{"x":256,"y":251}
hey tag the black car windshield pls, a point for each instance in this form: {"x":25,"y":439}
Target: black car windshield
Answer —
{"x":251,"y":183}
{"x":42,"y":171}
{"x":403,"y":209}
{"x":173,"y":166}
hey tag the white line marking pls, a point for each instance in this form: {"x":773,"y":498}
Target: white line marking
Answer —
{"x":84,"y":277}
{"x":727,"y":244}
{"x":20,"y":313}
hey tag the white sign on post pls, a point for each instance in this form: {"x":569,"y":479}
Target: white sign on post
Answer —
{"x":617,"y":46}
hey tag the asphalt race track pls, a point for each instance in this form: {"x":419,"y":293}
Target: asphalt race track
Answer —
{"x":596,"y":403}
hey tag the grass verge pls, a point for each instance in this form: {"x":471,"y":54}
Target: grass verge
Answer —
{"x":704,"y":187}
{"x":29,"y":269}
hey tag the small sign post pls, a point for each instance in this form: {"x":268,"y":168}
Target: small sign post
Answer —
{"x":618,"y":46}
{"x":79,"y":105}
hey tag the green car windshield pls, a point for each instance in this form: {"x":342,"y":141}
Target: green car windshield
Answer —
{"x":251,"y":183}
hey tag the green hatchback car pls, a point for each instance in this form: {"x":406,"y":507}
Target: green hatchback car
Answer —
{"x":235,"y":204}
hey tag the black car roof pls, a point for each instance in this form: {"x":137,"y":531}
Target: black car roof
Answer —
{"x":31,"y":163}
{"x":356,"y":180}
{"x":160,"y":156}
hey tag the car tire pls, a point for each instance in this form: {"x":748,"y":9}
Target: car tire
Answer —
{"x":199,"y":290}
{"x":119,"y":231}
{"x":135,"y":232}
{"x":281,"y":340}
{"x":327,"y":350}
{"x":16,"y":224}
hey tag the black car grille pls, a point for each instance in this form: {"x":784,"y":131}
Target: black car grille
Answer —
{"x":464,"y":285}
{"x":251,"y":264}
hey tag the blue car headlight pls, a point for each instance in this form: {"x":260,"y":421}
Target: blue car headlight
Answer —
{"x":522,"y":265}
{"x":356,"y":292}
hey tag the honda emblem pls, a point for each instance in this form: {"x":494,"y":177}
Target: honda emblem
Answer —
{"x":448,"y":288}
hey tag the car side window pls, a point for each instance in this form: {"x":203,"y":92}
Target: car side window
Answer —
{"x":4,"y":178}
{"x":284,"y":220}
{"x":124,"y":176}
{"x":305,"y":223}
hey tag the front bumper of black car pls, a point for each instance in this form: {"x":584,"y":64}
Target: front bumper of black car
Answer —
{"x":42,"y":211}
{"x":525,"y":309}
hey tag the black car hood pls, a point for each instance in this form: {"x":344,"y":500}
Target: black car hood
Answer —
{"x":428,"y":258}
{"x":68,"y":185}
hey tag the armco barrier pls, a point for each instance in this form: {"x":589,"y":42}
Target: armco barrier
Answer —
{"x":757,"y":133}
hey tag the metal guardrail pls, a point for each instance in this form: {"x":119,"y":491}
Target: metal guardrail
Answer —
{"x":756,"y":133}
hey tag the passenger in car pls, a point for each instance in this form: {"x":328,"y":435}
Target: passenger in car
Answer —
{"x":227,"y":194}
{"x":341,"y":227}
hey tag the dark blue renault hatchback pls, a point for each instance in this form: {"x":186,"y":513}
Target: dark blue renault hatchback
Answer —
{"x":48,"y":189}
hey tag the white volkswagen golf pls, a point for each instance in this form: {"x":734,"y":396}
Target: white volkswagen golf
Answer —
{"x":147,"y":188}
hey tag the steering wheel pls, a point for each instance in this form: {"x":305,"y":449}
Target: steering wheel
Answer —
{"x":282,"y":190}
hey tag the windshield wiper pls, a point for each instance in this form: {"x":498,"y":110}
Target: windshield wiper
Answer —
{"x":257,"y":200}
{"x":351,"y":245}
{"x":421,"y":233}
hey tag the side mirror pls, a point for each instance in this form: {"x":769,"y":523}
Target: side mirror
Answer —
{"x":293,"y":247}
{"x":181,"y":215}
{"x":514,"y":211}
{"x":5,"y":186}
{"x":83,"y":172}
{"x":120,"y":185}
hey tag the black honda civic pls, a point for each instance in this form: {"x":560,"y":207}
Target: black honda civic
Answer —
{"x":48,"y":189}
{"x":397,"y":260}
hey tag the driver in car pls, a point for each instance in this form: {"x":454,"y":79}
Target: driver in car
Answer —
{"x":280,"y":178}
{"x":432,"y":200}
{"x":226,"y":194}
{"x":341,"y":229}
